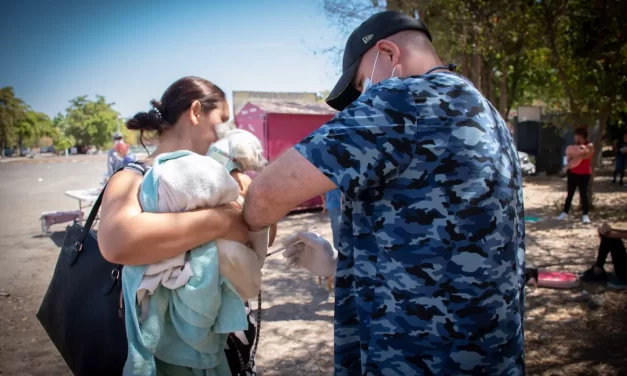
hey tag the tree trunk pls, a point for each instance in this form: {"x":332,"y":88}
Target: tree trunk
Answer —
{"x":465,"y":65}
{"x":598,"y":148}
{"x":476,"y":69}
{"x":512,"y":91}
{"x":490,"y":85}
{"x":503,"y":91}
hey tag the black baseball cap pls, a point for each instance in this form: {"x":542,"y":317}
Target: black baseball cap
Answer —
{"x":379,"y":26}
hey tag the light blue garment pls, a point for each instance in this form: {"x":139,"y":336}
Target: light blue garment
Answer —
{"x":335,"y":216}
{"x":186,"y":328}
{"x":333,"y":199}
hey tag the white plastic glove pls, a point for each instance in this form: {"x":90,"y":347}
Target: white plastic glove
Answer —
{"x":310,"y":251}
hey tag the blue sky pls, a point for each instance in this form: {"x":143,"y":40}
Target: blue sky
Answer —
{"x":130,"y":51}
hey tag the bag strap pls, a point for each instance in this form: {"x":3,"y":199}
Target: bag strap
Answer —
{"x":137,"y":166}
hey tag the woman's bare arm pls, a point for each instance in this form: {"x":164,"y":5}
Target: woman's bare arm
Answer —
{"x":128,"y":236}
{"x":619,"y":234}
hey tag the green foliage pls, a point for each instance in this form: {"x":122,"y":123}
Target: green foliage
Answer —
{"x":12,"y":112}
{"x":34,"y":125}
{"x":85,"y":123}
{"x":63,"y":142}
{"x":90,"y":123}
{"x":570,"y":55}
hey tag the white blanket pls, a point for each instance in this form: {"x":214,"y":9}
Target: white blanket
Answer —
{"x":194,"y":182}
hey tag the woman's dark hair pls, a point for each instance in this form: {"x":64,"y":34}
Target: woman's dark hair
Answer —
{"x":582,"y":131}
{"x":176,"y":100}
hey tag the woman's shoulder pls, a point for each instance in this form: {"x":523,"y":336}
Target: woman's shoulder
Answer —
{"x":137,"y":166}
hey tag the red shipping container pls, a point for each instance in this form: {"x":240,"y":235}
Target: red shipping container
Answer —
{"x":281,"y":125}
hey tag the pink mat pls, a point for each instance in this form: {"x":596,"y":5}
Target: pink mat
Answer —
{"x":557,"y":280}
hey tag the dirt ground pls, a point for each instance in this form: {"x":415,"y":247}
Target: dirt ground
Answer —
{"x":563,"y":335}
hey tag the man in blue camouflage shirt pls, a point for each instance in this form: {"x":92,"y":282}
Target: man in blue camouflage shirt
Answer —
{"x":430,"y":267}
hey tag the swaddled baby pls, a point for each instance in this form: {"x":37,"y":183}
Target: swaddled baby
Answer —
{"x":196,"y":181}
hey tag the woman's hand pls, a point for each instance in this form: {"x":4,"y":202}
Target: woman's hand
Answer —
{"x":604,"y":229}
{"x":243,"y":181}
{"x":237,"y":230}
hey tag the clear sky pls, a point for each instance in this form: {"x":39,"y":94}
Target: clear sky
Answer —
{"x":130,"y":51}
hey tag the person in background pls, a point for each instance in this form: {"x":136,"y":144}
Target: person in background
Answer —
{"x":331,"y":202}
{"x":620,"y":147}
{"x":122,"y":150}
{"x":430,"y":268}
{"x":611,"y":243}
{"x":113,"y":160}
{"x":579,"y":175}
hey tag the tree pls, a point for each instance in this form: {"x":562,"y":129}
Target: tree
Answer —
{"x":588,"y":47}
{"x":12,"y":112}
{"x":489,"y":39}
{"x":90,"y":123}
{"x":60,"y":140}
{"x":32,"y":127}
{"x":569,"y":54}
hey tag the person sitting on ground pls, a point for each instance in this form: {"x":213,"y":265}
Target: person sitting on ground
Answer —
{"x":611,"y":242}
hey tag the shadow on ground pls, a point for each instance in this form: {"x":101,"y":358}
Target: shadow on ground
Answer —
{"x":563,"y":336}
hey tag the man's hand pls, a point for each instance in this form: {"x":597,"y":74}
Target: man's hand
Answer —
{"x":310,"y":251}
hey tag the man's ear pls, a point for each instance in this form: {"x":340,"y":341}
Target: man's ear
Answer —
{"x":389,"y":50}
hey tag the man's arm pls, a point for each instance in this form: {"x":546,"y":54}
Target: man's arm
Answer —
{"x":284,"y":184}
{"x":367,"y":144}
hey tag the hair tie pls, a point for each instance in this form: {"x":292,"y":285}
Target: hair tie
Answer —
{"x":158,"y":112}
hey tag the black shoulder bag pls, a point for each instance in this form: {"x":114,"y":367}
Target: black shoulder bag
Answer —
{"x":82,"y":310}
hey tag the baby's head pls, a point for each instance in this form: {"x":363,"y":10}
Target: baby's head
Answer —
{"x":240,"y":150}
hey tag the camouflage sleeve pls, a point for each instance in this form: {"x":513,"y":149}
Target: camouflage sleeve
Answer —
{"x":372,"y":141}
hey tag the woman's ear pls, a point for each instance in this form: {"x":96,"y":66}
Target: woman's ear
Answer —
{"x":194,"y":112}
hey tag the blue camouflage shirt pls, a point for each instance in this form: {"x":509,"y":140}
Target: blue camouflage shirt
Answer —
{"x":430,"y":272}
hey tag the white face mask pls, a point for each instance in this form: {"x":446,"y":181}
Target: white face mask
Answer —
{"x":368,"y":80}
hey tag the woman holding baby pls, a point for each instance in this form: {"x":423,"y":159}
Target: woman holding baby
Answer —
{"x":184,"y":119}
{"x":579,"y":157}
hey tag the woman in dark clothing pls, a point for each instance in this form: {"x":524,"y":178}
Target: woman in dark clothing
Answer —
{"x":620,"y":146}
{"x":579,"y":172}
